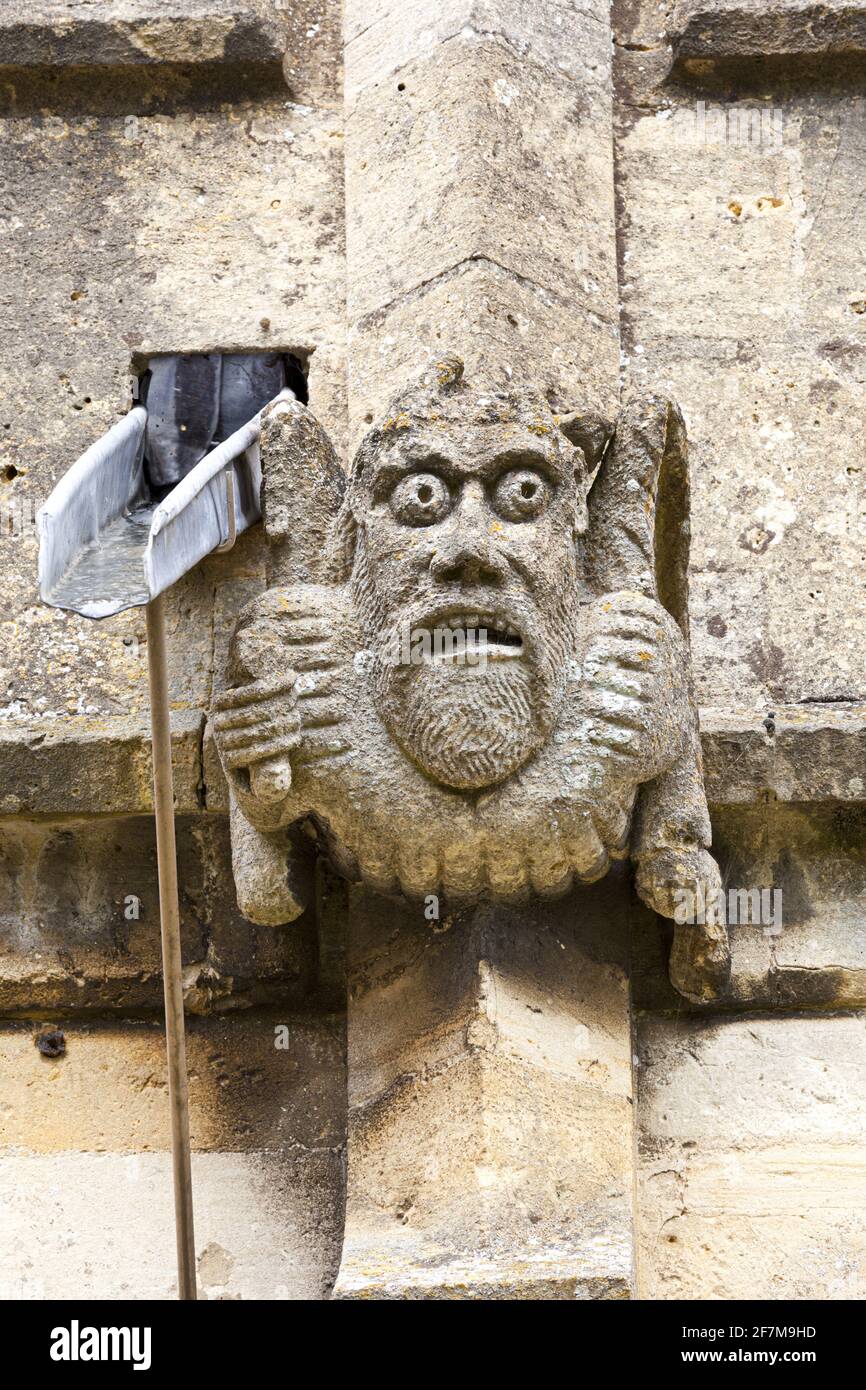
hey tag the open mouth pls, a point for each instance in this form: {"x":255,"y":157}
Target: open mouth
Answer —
{"x":473,"y":638}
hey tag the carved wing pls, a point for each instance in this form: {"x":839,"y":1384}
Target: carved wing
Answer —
{"x":638,"y":535}
{"x":303,"y":487}
{"x":638,"y":539}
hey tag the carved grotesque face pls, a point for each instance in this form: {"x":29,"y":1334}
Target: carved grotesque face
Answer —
{"x":467,"y":506}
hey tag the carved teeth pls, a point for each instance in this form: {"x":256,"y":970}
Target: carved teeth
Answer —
{"x":487,"y":634}
{"x":478,"y":620}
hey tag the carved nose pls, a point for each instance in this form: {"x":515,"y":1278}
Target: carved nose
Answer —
{"x":467,"y":560}
{"x":465,"y":554}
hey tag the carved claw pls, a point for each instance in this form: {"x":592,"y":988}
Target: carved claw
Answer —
{"x":700,"y":963}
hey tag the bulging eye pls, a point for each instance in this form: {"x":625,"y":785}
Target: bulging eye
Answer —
{"x":421,"y":499}
{"x":521,"y":495}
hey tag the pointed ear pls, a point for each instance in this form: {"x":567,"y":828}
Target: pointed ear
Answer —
{"x":591,"y":433}
{"x":639,"y":508}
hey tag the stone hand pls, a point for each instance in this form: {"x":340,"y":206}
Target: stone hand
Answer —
{"x":256,"y":726}
{"x":283,"y":668}
{"x":627,"y":691}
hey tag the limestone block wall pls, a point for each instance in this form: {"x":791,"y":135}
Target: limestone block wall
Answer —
{"x":751,"y":1157}
{"x":175,"y":176}
{"x":739,"y":184}
{"x":740,"y":164}
{"x":85,"y":1179}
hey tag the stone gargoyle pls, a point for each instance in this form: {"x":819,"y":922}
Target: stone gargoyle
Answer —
{"x":553,"y":732}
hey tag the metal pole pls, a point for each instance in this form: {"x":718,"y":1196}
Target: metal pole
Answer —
{"x":169,"y":910}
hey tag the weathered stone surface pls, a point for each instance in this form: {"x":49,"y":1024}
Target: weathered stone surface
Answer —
{"x":140,"y":31}
{"x":246,"y":1094}
{"x":301,"y":493}
{"x":804,"y":753}
{"x":500,"y":115}
{"x":479,"y":189}
{"x":382,"y":36}
{"x":690,"y":35}
{"x":752,"y":1158}
{"x":89,"y":767}
{"x":816,"y":753}
{"x":101,"y":1226}
{"x":85,"y":1183}
{"x":79,"y":921}
{"x":749,"y":28}
{"x":504,"y":323}
{"x":313,"y":64}
{"x":62,"y":669}
{"x":818,"y":960}
{"x":765,"y":357}
{"x":490,"y":1130}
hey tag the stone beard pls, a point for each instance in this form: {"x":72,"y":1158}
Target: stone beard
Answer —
{"x":466,"y":510}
